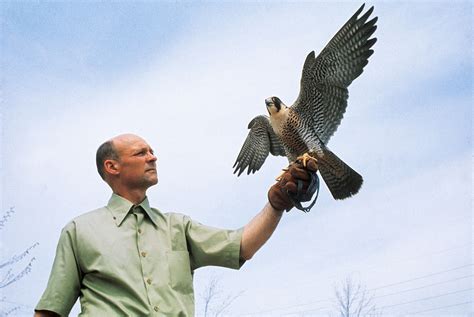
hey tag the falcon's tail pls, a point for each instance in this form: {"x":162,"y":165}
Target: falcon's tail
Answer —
{"x":341,"y":179}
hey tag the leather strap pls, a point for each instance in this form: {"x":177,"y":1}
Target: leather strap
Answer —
{"x":301,"y":196}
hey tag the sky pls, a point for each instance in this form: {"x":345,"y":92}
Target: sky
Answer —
{"x":188,"y":77}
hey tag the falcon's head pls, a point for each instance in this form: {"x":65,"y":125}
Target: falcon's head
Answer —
{"x":274,"y":105}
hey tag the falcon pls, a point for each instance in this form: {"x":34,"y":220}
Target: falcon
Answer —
{"x":303,"y":130}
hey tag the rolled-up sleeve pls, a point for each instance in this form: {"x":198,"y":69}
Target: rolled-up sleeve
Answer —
{"x":213,"y":246}
{"x":65,"y":280}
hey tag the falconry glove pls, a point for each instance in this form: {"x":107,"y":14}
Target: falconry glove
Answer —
{"x":297,"y":184}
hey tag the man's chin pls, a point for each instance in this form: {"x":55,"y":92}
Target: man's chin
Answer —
{"x":153,"y":181}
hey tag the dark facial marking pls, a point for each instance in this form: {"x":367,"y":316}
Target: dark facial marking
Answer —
{"x":277,"y":102}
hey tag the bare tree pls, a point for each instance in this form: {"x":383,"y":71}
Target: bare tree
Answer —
{"x":13,"y":269}
{"x":353,"y":300}
{"x":215,"y":299}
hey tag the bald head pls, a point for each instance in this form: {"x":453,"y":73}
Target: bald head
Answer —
{"x":110,"y":150}
{"x":125,"y":140}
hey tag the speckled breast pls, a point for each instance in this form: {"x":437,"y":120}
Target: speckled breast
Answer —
{"x":292,"y":137}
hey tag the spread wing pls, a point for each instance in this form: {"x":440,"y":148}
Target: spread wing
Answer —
{"x":260,"y":141}
{"x":323,"y":93}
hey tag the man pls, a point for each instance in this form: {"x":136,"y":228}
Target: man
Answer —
{"x":130,"y":259}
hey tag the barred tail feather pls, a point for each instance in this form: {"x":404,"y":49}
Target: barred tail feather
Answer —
{"x":341,"y":179}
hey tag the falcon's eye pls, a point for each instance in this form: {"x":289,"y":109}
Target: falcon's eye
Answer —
{"x":276,"y":101}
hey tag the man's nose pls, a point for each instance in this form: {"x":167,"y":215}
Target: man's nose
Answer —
{"x":152,"y":157}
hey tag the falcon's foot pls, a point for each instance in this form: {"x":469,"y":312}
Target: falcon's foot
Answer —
{"x":281,"y":174}
{"x":305,"y":158}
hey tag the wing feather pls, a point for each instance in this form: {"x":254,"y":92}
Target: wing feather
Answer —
{"x":260,"y":141}
{"x":325,"y":78}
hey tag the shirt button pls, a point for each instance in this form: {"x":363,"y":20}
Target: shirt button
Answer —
{"x":139,"y":230}
{"x":148,"y":280}
{"x":156,"y":308}
{"x":143,"y":254}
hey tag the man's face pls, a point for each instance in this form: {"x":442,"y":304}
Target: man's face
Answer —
{"x":137,"y":162}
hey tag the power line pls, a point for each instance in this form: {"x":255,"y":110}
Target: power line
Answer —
{"x":417,"y":288}
{"x":421,"y":277}
{"x":413,"y":301}
{"x":424,"y":255}
{"x":409,"y":302}
{"x":422,"y":311}
{"x":420,"y":255}
{"x":380,"y":287}
{"x":426,"y":298}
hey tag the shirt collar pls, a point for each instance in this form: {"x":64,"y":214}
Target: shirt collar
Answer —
{"x":120,"y":207}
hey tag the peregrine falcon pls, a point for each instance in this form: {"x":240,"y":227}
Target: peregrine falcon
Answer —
{"x":304,"y":129}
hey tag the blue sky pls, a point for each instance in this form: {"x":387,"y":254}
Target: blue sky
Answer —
{"x":189,"y":77}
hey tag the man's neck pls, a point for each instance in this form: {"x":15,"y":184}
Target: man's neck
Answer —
{"x":134,"y":196}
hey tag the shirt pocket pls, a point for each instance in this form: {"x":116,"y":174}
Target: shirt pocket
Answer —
{"x":180,"y":271}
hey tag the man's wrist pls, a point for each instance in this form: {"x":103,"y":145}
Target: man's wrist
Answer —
{"x":275,"y":211}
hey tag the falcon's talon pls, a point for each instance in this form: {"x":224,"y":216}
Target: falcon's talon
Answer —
{"x":281,"y":174}
{"x":305,"y":158}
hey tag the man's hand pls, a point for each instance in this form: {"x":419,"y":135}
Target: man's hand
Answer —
{"x":278,"y":195}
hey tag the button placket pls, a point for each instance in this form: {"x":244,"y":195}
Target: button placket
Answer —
{"x":137,"y":211}
{"x":144,"y":257}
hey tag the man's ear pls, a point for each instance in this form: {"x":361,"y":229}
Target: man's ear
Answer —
{"x":112,"y":167}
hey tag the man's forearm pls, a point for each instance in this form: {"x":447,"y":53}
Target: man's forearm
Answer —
{"x":259,"y":230}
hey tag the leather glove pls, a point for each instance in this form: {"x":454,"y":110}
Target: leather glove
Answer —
{"x":278,"y":195}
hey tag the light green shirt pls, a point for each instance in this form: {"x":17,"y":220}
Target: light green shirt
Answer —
{"x":126,"y":260}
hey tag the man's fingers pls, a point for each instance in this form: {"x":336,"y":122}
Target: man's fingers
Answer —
{"x":294,"y":174}
{"x":312,"y":165}
{"x":285,"y":178}
{"x":299,"y":173}
{"x":291,"y":187}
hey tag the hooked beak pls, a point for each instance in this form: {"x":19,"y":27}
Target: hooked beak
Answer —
{"x":269,"y":102}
